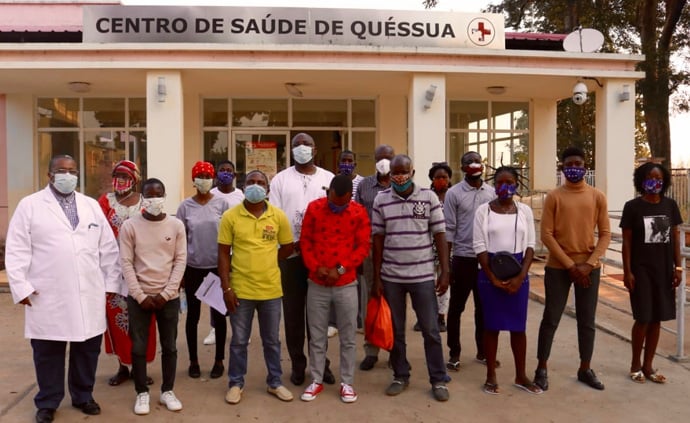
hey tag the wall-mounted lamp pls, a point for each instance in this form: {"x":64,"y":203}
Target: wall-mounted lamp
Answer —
{"x":293,"y":90}
{"x":625,"y":94}
{"x":161,"y":89}
{"x":429,"y":96}
{"x":496,"y":90}
{"x":79,"y":86}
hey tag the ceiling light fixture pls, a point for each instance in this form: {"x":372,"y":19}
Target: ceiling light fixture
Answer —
{"x":292,"y":88}
{"x":496,"y":89}
{"x":79,"y":86}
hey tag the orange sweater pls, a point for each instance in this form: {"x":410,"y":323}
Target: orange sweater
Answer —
{"x":571,"y":214}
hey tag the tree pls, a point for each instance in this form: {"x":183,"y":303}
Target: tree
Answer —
{"x":654,"y":28}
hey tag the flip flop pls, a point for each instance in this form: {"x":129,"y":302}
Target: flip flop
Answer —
{"x":637,"y":377}
{"x":656,"y":377}
{"x":491,"y":388}
{"x":529,"y":387}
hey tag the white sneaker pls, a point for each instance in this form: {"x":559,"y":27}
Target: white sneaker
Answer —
{"x":169,"y":399}
{"x":211,"y":338}
{"x":141,"y":406}
{"x":332,"y":331}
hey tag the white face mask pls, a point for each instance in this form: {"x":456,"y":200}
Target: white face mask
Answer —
{"x":203,"y":185}
{"x":65,"y":182}
{"x":302,"y":154}
{"x":383,"y":166}
{"x":153,"y":206}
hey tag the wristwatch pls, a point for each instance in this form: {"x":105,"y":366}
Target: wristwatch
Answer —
{"x":341,"y":270}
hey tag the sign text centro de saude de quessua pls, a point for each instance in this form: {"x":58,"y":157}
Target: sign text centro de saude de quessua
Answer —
{"x":240,"y":25}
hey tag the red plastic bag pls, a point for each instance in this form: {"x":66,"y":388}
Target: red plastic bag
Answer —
{"x":379,"y":324}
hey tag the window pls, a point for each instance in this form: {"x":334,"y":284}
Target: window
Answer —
{"x":97,"y":132}
{"x":499,"y":131}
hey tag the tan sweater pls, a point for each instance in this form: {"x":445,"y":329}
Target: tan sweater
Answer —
{"x":153,"y":255}
{"x":571,"y":214}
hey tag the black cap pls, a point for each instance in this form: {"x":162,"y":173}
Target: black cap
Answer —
{"x":341,"y":185}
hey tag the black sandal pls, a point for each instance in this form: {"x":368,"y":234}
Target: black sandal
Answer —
{"x":121,"y":376}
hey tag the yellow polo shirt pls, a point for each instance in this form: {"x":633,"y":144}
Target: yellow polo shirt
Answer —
{"x":254,"y":241}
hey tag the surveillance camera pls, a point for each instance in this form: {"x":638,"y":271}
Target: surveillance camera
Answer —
{"x":580,"y":93}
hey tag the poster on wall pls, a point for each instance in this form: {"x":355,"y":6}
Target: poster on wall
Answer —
{"x":263,"y":156}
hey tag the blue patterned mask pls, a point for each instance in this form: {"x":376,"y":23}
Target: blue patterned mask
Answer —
{"x":574,"y":174}
{"x":653,"y":186}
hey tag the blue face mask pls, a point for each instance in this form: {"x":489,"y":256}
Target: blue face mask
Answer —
{"x":337,"y":209}
{"x":225,"y":178}
{"x":346,"y":168}
{"x":653,"y":186}
{"x":255,"y":193}
{"x":574,"y":174}
{"x":505,"y":191}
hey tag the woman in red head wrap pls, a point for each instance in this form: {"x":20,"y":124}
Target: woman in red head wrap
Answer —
{"x":119,"y":205}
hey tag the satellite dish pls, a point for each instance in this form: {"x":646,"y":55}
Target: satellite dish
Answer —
{"x":583,"y":40}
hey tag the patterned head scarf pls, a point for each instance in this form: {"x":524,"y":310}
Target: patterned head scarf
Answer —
{"x":203,"y":167}
{"x":129,"y":168}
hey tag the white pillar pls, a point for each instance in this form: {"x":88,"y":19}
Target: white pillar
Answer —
{"x":427,"y":126}
{"x":22,"y":161}
{"x":165,"y":134}
{"x":542,"y":147}
{"x":615,"y":143}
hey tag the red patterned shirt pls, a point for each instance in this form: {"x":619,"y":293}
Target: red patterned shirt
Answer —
{"x":329,"y":239}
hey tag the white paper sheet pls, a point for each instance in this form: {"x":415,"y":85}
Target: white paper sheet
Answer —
{"x":211,"y":293}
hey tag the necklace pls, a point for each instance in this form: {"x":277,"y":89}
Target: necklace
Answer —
{"x":503,"y":209}
{"x":119,"y":200}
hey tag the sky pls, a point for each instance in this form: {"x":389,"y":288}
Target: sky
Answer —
{"x":680,"y":124}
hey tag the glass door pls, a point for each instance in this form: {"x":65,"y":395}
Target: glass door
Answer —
{"x":262,"y":150}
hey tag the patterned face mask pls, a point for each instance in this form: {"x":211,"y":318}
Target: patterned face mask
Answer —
{"x":225,"y":178}
{"x":346,"y":168}
{"x":506,"y":191}
{"x":574,"y":174}
{"x":122,"y":185}
{"x":653,"y":186}
{"x":401,"y":183}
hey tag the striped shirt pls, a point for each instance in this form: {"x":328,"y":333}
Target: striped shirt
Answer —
{"x":408,"y":225}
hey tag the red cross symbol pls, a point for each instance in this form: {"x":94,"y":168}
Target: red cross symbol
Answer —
{"x":482,"y":31}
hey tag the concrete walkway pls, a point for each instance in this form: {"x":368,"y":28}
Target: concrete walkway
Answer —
{"x":566,"y":401}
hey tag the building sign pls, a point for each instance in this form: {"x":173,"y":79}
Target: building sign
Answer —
{"x":261,"y":25}
{"x":263,"y":156}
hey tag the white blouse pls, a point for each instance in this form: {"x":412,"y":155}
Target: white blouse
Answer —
{"x":495,"y":232}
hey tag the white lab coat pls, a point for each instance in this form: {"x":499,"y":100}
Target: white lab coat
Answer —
{"x":70,"y":270}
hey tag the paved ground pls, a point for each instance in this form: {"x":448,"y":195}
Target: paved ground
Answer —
{"x":566,"y":401}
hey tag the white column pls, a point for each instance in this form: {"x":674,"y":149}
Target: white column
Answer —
{"x":542,"y":146}
{"x":615,"y":143}
{"x":22,"y":161}
{"x":165,"y":134}
{"x":427,"y":126}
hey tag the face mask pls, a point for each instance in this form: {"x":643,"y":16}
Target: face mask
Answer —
{"x":154,"y":205}
{"x":65,"y":182}
{"x":122,"y":185}
{"x":346,"y":168}
{"x":255,"y":193}
{"x":440,"y":185}
{"x":225,"y":178}
{"x":653,"y":186}
{"x":401,"y":183}
{"x":203,"y":185}
{"x":506,"y":191}
{"x":574,"y":174}
{"x":337,"y":209}
{"x":475,"y":170}
{"x":383,"y":166}
{"x":302,"y":154}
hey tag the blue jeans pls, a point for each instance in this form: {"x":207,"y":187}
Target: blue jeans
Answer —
{"x":139,"y":321}
{"x":423,"y":296}
{"x":269,"y":327}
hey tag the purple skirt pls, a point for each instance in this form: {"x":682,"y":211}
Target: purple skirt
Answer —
{"x":503,"y":311}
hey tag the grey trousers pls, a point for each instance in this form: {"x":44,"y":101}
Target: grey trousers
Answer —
{"x":344,"y":301}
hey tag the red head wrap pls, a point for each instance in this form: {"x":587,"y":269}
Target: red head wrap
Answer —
{"x":128,"y":168}
{"x":203,"y":167}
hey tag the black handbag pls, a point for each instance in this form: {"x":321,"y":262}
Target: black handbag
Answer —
{"x":504,"y":264}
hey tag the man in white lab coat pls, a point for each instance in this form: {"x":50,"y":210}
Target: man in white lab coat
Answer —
{"x":61,"y":259}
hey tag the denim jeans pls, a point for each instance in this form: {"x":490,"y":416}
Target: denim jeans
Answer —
{"x":423,"y":296}
{"x":139,"y":321}
{"x":269,"y":327}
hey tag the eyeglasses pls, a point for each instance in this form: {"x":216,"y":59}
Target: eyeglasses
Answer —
{"x":65,"y":171}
